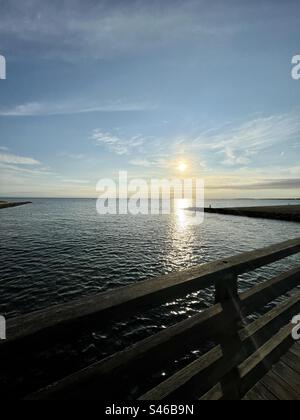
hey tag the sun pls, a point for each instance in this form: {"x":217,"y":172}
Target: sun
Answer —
{"x":182,"y":167}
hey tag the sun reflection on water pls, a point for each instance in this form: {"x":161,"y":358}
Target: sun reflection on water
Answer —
{"x":180,"y":211}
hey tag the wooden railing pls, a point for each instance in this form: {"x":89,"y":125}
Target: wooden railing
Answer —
{"x":242,"y":353}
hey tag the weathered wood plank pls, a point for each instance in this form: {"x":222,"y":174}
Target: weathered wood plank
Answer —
{"x":227,"y":293}
{"x":215,"y":394}
{"x":265,"y":351}
{"x":141,"y":355}
{"x":227,"y":289}
{"x":260,"y":393}
{"x":288,"y":375}
{"x":279,"y":388}
{"x":270,"y":290}
{"x":280,"y":312}
{"x":143,"y":295}
{"x":292,"y":361}
{"x":194,"y":370}
{"x":296,"y":350}
{"x":183,"y":376}
{"x":281,"y":381}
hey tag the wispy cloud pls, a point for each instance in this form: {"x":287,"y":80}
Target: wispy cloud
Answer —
{"x":32,"y":109}
{"x":232,"y":159}
{"x":25,"y":170}
{"x":240,"y":144}
{"x":72,"y":156}
{"x":156,"y":162}
{"x":120,"y":146}
{"x":105,"y":29}
{"x":76,"y":181}
{"x":144,"y":163}
{"x":278,"y":184}
{"x":17,"y":160}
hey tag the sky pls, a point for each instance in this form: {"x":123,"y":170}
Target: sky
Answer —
{"x":98,"y":87}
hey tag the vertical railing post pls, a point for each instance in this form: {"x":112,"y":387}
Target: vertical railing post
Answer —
{"x":227,"y":289}
{"x":227,"y":295}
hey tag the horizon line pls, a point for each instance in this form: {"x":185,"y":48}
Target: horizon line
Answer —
{"x":145,"y":198}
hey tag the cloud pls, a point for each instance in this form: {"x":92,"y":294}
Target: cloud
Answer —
{"x":105,"y":29}
{"x":240,"y":144}
{"x":72,"y":156}
{"x":279,"y":184}
{"x":233,"y":160}
{"x":76,"y":181}
{"x":161,"y":162}
{"x":232,"y":146}
{"x":17,"y":160}
{"x":34,"y":170}
{"x":144,"y":163}
{"x":32,"y":109}
{"x":115,"y":144}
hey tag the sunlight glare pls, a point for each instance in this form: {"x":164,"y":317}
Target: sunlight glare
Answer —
{"x":182,"y":167}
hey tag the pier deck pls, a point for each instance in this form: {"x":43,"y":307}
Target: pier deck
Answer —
{"x":282,"y":382}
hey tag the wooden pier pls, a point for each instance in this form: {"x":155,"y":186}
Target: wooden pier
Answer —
{"x":283,"y":380}
{"x":248,"y":360}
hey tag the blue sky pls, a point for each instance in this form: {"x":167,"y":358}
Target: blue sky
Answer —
{"x":95,"y":87}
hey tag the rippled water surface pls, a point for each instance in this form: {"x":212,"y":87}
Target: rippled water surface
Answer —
{"x":57,"y":250}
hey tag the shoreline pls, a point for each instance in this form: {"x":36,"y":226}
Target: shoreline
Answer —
{"x":8,"y":204}
{"x":286,"y":213}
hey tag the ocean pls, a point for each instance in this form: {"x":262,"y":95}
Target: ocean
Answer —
{"x":58,"y":250}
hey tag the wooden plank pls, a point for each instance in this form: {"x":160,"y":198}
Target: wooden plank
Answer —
{"x":227,"y":289}
{"x":292,"y":361}
{"x":215,"y":394}
{"x":183,"y":376}
{"x":260,"y":393}
{"x":268,"y":291}
{"x":194,"y":370}
{"x":142,"y":356}
{"x":266,"y":350}
{"x":288,"y":375}
{"x":227,"y":293}
{"x":281,"y":311}
{"x":296,"y":350}
{"x":279,"y":388}
{"x":296,"y":345}
{"x":143,"y":295}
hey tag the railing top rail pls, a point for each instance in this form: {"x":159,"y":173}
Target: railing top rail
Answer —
{"x":145,"y":294}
